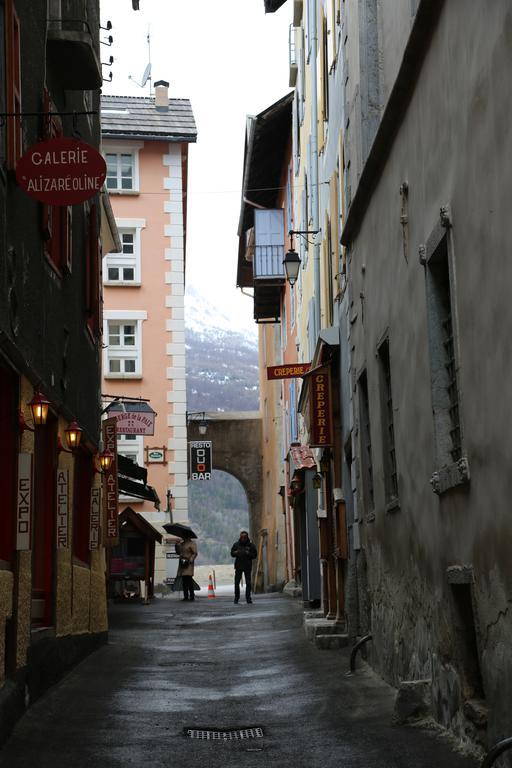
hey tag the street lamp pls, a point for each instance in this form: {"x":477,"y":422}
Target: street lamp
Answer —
{"x":202,"y":425}
{"x":106,"y":457}
{"x":291,"y":263}
{"x":39,"y":406}
{"x":73,"y":434}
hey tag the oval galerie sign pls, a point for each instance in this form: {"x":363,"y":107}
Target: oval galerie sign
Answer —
{"x":61,"y":171}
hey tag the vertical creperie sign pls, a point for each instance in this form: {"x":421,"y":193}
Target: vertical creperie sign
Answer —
{"x":110,"y":498}
{"x":320,"y":408}
{"x":201,"y":460}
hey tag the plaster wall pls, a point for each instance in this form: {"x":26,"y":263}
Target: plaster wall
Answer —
{"x":161,"y":296}
{"x":451,"y":151}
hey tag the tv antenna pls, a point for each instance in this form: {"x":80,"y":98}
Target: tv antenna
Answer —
{"x":146,"y":75}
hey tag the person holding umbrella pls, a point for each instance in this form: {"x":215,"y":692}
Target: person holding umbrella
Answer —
{"x":187,"y":551}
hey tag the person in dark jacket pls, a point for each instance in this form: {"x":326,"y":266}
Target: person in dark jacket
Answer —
{"x":244,"y":553}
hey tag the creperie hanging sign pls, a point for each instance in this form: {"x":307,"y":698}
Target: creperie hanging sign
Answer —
{"x":61,"y":171}
{"x":320,"y":404}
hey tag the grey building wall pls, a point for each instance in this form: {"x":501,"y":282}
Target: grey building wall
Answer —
{"x":453,"y":148}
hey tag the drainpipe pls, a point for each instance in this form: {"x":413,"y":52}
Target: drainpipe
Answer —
{"x":315,"y":203}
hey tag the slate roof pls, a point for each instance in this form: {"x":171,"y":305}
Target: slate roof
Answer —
{"x":272,"y":5}
{"x":136,"y":117}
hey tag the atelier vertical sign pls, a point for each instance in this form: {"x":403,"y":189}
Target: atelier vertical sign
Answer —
{"x":320,"y":405}
{"x":62,"y":509}
{"x":24,"y":502}
{"x":110,"y":483}
{"x":95,"y":518}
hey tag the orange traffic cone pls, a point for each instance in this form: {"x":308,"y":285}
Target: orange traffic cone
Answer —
{"x":211,"y":592}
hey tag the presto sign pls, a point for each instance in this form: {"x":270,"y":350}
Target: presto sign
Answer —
{"x":201,"y":460}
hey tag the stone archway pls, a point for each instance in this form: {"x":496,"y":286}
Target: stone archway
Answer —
{"x":236,"y":449}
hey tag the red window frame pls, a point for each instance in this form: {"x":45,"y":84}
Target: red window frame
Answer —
{"x":92,"y":282}
{"x":13,"y":84}
{"x":56,"y":219}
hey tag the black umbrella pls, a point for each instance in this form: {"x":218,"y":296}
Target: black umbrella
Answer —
{"x":178,"y":529}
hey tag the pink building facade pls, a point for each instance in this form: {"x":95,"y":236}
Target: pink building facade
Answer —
{"x":145,"y":143}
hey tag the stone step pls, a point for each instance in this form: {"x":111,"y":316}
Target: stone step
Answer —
{"x":331,"y":642}
{"x":314,"y":627}
{"x":319,"y":614}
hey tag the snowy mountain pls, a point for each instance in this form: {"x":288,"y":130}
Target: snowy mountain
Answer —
{"x":221,"y":358}
{"x":222,"y":375}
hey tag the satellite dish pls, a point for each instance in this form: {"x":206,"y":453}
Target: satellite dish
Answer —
{"x":146,"y":75}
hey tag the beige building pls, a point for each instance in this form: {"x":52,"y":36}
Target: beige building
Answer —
{"x":145,"y":143}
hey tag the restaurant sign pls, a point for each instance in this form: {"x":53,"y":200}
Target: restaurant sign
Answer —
{"x":288,"y":371}
{"x":134,"y":422}
{"x":61,"y":171}
{"x":110,"y":495}
{"x":320,"y":405}
{"x":201,"y":460}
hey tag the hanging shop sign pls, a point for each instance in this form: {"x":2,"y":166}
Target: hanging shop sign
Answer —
{"x":61,"y":171}
{"x":135,"y":422}
{"x":110,"y":492}
{"x":62,"y":509}
{"x":24,"y":502}
{"x":95,"y":519}
{"x":156,"y":455}
{"x":288,"y":371}
{"x":320,"y":405}
{"x":201,"y":460}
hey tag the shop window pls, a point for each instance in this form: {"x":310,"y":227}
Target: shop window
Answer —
{"x":81,"y":505}
{"x":8,"y":459}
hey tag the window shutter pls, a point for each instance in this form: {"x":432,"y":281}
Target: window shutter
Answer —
{"x":92,"y":274}
{"x":14,"y":124}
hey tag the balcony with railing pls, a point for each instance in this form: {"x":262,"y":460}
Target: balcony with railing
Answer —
{"x":71,"y":53}
{"x":292,"y":56}
{"x":268,"y":270}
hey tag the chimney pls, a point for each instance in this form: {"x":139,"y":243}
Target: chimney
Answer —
{"x":162,"y":96}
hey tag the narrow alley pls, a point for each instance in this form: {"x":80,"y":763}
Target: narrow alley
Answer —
{"x":172,"y":666}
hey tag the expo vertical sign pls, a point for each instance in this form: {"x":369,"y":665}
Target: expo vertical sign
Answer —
{"x":110,"y":499}
{"x":24,"y":502}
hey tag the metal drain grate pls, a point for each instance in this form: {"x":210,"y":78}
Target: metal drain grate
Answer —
{"x":208,"y":734}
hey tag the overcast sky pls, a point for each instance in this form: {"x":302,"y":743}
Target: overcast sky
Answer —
{"x":230,"y":59}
